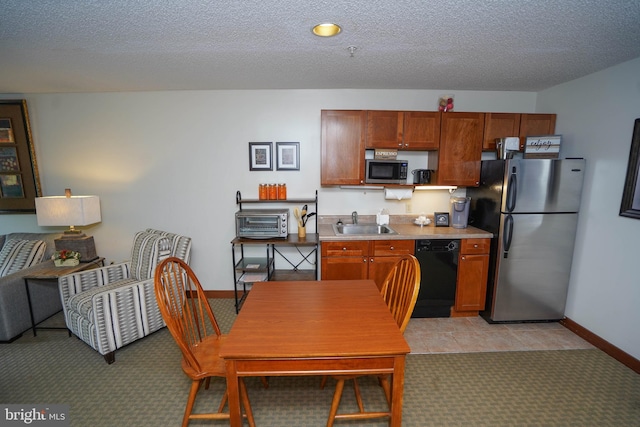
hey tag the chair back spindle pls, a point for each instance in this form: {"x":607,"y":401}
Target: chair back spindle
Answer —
{"x":400,"y":289}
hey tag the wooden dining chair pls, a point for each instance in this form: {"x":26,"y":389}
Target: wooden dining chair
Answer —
{"x":188,"y":315}
{"x":400,"y":292}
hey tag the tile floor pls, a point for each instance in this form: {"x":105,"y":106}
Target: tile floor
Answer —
{"x":474,"y":334}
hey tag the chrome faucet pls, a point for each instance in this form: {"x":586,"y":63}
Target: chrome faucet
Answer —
{"x":354,"y":217}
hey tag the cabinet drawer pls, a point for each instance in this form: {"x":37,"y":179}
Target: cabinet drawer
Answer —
{"x":346,"y":248}
{"x":475,"y":246}
{"x":393,"y":247}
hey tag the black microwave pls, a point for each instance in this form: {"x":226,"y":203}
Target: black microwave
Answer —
{"x":386,"y":171}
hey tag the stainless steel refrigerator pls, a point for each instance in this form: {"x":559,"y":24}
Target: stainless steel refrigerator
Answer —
{"x":531,"y":207}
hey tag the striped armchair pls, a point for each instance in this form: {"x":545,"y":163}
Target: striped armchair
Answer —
{"x":112,"y":306}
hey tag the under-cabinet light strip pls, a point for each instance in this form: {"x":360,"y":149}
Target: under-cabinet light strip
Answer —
{"x":435,"y":187}
{"x":417,"y":187}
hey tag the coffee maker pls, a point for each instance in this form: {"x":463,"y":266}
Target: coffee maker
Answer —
{"x":459,"y":211}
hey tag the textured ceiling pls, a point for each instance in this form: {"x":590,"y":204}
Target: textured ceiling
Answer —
{"x":124,"y":45}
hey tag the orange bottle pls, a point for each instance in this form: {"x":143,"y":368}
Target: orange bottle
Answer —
{"x":282,"y":191}
{"x":273,"y":192}
{"x":262,"y":192}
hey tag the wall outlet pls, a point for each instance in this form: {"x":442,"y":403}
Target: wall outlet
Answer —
{"x":407,"y":207}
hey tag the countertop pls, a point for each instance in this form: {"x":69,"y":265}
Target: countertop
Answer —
{"x":404,"y":227}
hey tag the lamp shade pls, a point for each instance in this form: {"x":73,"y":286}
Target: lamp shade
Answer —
{"x":68,"y":211}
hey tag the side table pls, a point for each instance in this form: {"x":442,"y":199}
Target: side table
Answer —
{"x":48,"y":273}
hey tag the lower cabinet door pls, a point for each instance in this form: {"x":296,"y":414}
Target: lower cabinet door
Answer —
{"x":344,"y":268}
{"x":380,"y":266}
{"x":472,"y":282}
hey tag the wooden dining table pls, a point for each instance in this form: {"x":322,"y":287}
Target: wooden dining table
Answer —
{"x":326,"y":327}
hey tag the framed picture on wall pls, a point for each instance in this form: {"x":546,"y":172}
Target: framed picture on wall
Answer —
{"x":288,"y":156}
{"x":19,"y":178}
{"x":630,"y":205}
{"x":260,"y":156}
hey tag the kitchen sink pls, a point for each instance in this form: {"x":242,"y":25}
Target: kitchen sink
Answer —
{"x":362,"y":229}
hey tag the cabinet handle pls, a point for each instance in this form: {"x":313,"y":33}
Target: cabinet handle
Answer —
{"x":371,"y":260}
{"x":475,"y":246}
{"x":344,"y":249}
{"x":364,"y":260}
{"x":463,"y":258}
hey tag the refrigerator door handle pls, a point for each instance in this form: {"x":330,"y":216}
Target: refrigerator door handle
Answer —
{"x":507,"y":235}
{"x":512,"y":191}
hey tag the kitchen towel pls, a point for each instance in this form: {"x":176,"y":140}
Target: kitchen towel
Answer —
{"x":397,"y":194}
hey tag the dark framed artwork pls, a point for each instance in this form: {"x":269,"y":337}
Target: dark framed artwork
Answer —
{"x":288,"y":156}
{"x":260,"y":156}
{"x":630,"y":205}
{"x":19,"y":177}
{"x":441,"y":219}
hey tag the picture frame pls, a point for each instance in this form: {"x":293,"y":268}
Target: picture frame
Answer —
{"x":288,"y":156}
{"x":19,"y":176}
{"x":630,"y":204}
{"x":441,"y":219}
{"x":260,"y":156}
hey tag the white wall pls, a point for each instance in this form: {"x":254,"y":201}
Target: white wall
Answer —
{"x":595,"y":117}
{"x":174,"y":160}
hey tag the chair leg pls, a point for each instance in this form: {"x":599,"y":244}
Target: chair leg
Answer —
{"x":323,"y":382}
{"x":223,"y":402}
{"x":110,"y":357}
{"x":384,"y":382}
{"x":244,"y":396}
{"x":195,"y":386}
{"x":356,"y":390}
{"x":335,"y":403}
{"x":265,"y":382}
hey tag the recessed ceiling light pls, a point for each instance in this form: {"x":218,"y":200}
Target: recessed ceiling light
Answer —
{"x":326,"y":29}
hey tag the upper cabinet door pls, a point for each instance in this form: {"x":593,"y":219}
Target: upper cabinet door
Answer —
{"x":421,"y":130}
{"x":499,"y":125}
{"x":384,"y":129}
{"x":460,"y":149}
{"x":535,"y":125}
{"x":343,"y":135}
{"x":403,"y":130}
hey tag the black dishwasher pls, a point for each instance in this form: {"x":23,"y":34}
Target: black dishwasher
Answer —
{"x":439,"y":274}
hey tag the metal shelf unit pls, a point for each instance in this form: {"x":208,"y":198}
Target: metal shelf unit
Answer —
{"x":247,"y":270}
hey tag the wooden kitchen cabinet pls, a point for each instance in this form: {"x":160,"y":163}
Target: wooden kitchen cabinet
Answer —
{"x":499,"y":125}
{"x":384,"y":255}
{"x":536,"y":124}
{"x":343,"y":147}
{"x":403,"y":130}
{"x":362,"y":259}
{"x":458,"y":159}
{"x":422,"y":130}
{"x":502,"y":125}
{"x":455,"y":140}
{"x":384,"y":129}
{"x":473,"y":268}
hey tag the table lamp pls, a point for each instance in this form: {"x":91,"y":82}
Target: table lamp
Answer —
{"x":71,"y":211}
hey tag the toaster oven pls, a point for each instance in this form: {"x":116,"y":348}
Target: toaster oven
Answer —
{"x":262,"y":223}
